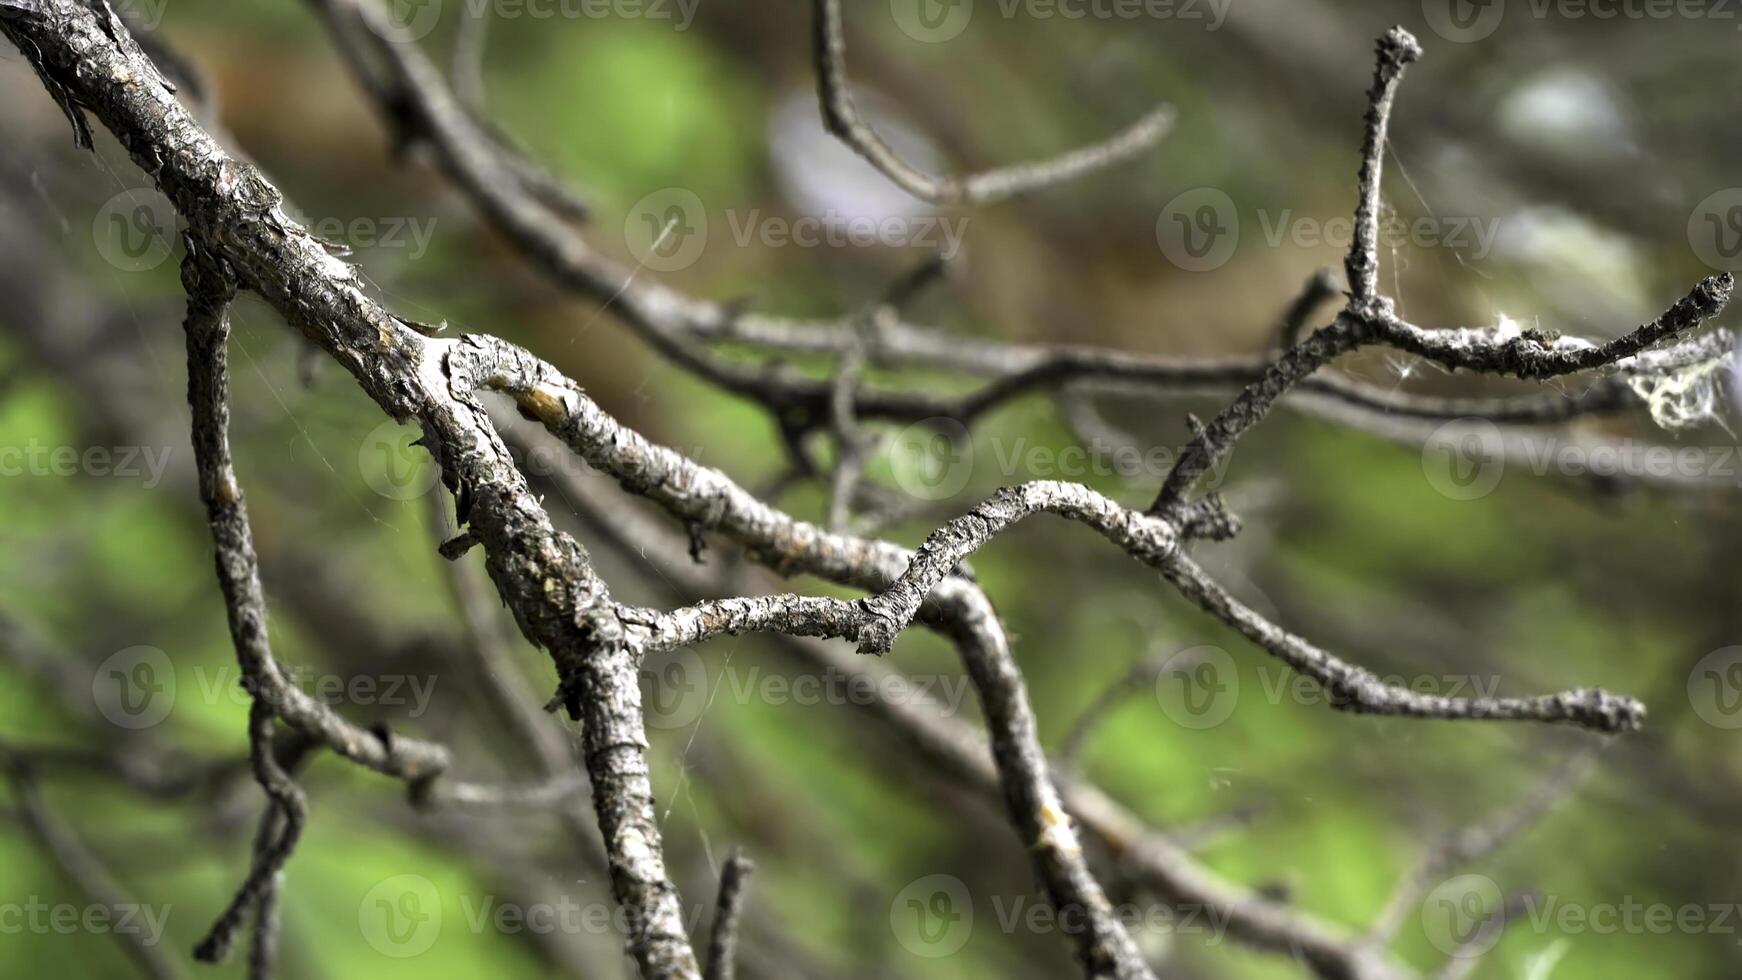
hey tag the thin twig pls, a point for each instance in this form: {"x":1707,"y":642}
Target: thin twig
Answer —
{"x":1397,"y":49}
{"x":723,"y":941}
{"x":271,"y":851}
{"x":87,"y":873}
{"x":841,"y":116}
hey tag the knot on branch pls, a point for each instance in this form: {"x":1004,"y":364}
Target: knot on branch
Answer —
{"x":568,"y":686}
{"x":880,"y":626}
{"x":1597,"y":709}
{"x":1397,"y":48}
{"x":456,"y":547}
{"x":1368,"y":315}
{"x":215,"y":948}
{"x":598,"y":628}
{"x":1705,"y":301}
{"x":1208,"y":519}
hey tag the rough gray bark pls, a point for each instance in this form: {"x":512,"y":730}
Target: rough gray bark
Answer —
{"x":544,"y":575}
{"x":723,"y":942}
{"x":1370,"y":318}
{"x":239,"y":236}
{"x":409,"y":93}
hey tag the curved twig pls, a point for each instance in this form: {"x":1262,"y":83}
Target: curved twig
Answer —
{"x":841,"y":117}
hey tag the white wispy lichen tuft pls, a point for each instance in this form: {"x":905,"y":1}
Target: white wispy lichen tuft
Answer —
{"x":1684,"y":397}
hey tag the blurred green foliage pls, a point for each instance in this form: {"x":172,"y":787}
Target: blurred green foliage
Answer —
{"x":1544,"y":582}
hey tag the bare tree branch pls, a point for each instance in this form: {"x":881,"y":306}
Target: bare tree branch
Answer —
{"x":1369,"y":317}
{"x":207,"y":326}
{"x":669,"y":320}
{"x":723,"y":942}
{"x":1397,"y":49}
{"x":544,"y":576}
{"x":1473,"y":843}
{"x":260,"y":890}
{"x":841,"y":116}
{"x":238,"y":237}
{"x":86,"y":871}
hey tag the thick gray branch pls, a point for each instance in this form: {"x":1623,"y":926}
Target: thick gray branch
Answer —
{"x":544,"y":576}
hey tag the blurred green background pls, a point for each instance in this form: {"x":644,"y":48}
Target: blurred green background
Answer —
{"x":1586,"y":151}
